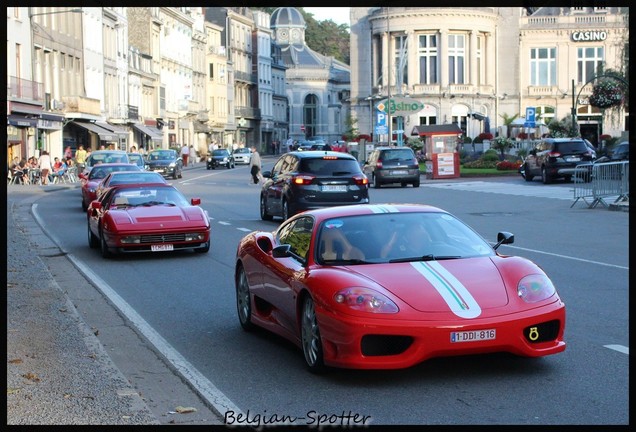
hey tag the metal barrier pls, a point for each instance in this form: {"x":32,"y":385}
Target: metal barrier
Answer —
{"x":600,"y":182}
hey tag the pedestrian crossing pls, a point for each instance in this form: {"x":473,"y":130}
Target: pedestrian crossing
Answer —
{"x":562,"y":192}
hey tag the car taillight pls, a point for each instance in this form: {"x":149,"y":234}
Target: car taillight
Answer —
{"x":302,"y":179}
{"x":360,"y":180}
{"x":554,"y":154}
{"x":378,"y":164}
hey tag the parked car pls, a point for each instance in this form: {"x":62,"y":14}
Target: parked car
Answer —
{"x":137,"y":159}
{"x":104,"y":156}
{"x":620,"y":152}
{"x":127,"y":177}
{"x":306,"y":180}
{"x":305,"y":145}
{"x":166,"y":162}
{"x":90,"y":182}
{"x":220,"y":157}
{"x":592,"y":148}
{"x":152,"y":217}
{"x":242,"y":155}
{"x":382,"y":286}
{"x":392,"y":165}
{"x":552,"y":158}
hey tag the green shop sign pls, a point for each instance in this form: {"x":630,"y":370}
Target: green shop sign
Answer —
{"x":400,"y":106}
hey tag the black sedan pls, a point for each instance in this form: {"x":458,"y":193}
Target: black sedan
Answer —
{"x":166,"y":162}
{"x":220,"y":157}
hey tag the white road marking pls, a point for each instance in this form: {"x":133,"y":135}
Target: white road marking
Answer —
{"x":567,"y":257}
{"x":619,"y":348}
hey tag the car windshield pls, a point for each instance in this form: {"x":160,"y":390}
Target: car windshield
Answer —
{"x":242,"y":150}
{"x":148,"y":197}
{"x":164,"y":155}
{"x":220,"y":152}
{"x":397,"y":237}
{"x":106,"y":157}
{"x":101,"y":172}
{"x":329,"y":166}
{"x":136,"y":178}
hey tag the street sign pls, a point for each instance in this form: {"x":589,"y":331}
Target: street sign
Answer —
{"x":400,"y":106}
{"x":530,"y":117}
{"x":380,"y":118}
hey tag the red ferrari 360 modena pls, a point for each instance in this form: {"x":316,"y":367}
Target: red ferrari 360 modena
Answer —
{"x":152,"y":217}
{"x":389,"y":286}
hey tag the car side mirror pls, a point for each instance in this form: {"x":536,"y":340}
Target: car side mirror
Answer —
{"x":504,"y":237}
{"x":282,"y":251}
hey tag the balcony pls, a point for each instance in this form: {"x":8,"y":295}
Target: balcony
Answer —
{"x":246,"y":77}
{"x":247,"y":112}
{"x":19,"y":88}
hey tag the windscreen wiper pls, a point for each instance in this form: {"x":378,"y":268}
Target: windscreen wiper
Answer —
{"x":429,"y":257}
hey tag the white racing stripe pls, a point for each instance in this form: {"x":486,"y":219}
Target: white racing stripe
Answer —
{"x":454,"y":293}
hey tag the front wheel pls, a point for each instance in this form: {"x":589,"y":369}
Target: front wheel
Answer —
{"x":545,"y":178}
{"x":285,"y":214}
{"x":93,"y":241}
{"x":106,"y":253}
{"x":526,"y":173}
{"x":243,"y":301}
{"x":310,"y":337}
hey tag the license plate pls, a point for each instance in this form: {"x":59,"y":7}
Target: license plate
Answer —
{"x":334,"y":188}
{"x":399,"y":172}
{"x":573,"y":159}
{"x":161,"y":248}
{"x":473,"y":336}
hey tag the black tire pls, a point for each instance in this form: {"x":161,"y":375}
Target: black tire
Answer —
{"x":545,"y":178}
{"x":310,"y":337}
{"x":180,"y":173}
{"x":93,"y":241}
{"x":285,"y":213}
{"x":403,"y":184}
{"x":175,"y":174}
{"x":264,"y":215}
{"x":243,"y":300}
{"x":84,"y":206}
{"x":526,"y":174}
{"x":416,"y":183}
{"x":374,"y":182}
{"x":204,"y":249}
{"x":207,"y":167}
{"x":106,"y":253}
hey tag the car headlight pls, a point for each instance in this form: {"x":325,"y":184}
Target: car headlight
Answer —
{"x":172,"y":164}
{"x":365,"y":300}
{"x":535,"y":287}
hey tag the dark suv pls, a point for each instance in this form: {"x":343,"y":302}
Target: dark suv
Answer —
{"x":392,"y":165}
{"x":555,"y":157}
{"x":220,"y":157}
{"x":620,"y":152}
{"x":304,"y":180}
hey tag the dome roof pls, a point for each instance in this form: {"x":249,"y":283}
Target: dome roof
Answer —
{"x":287,"y":17}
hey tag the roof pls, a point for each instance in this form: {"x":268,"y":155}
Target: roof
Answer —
{"x":443,"y":129}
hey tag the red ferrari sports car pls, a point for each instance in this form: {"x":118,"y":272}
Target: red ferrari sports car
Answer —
{"x":388,"y":286}
{"x":152,"y":217}
{"x":91,"y":180}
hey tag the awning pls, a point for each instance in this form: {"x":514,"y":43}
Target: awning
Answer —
{"x":104,"y":135}
{"x":51,"y":116}
{"x":26,"y":110}
{"x":123,"y":133}
{"x":154,"y":133}
{"x":20,"y":121}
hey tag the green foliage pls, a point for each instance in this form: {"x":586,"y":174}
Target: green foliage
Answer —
{"x":490,"y":155}
{"x":415,"y":143}
{"x":482,"y":163}
{"x":502,"y":144}
{"x":562,"y":128}
{"x":351,"y":131}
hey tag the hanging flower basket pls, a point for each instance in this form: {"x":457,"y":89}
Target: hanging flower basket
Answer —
{"x":606,"y":94}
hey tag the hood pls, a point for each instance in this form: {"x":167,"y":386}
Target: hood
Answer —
{"x":160,"y":163}
{"x":161,"y":214}
{"x":462,"y":286}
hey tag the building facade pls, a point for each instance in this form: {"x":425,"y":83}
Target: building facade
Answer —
{"x":475,"y":66}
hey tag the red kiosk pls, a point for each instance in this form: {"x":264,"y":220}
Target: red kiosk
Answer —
{"x":440,"y":143}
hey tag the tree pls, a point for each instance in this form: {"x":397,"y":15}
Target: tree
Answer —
{"x":508,"y":120}
{"x":502,"y":144}
{"x":351,"y":131}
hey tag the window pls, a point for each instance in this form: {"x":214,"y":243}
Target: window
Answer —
{"x":401,"y":60}
{"x":456,"y":55}
{"x":589,"y":63}
{"x":479,"y":54}
{"x":297,"y":234}
{"x":427,"y":54}
{"x":211,"y":72}
{"x":543,"y":66}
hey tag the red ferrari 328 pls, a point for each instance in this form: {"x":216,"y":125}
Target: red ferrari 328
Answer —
{"x":389,"y":286}
{"x":152,"y":217}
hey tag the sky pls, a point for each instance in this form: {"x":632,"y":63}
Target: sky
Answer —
{"x":339,"y":15}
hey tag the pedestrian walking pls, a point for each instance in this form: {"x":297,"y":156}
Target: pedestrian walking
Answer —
{"x":80,"y":159}
{"x":44,"y":162}
{"x":185,"y":153}
{"x":255,"y":166}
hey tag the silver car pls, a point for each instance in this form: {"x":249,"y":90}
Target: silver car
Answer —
{"x":242,"y":155}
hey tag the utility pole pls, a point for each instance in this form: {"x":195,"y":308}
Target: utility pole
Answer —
{"x":389,"y":55}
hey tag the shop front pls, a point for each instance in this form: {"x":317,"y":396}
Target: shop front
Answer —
{"x":440,"y":143}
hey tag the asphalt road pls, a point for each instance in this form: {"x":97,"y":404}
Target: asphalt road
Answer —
{"x":191,"y":309}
